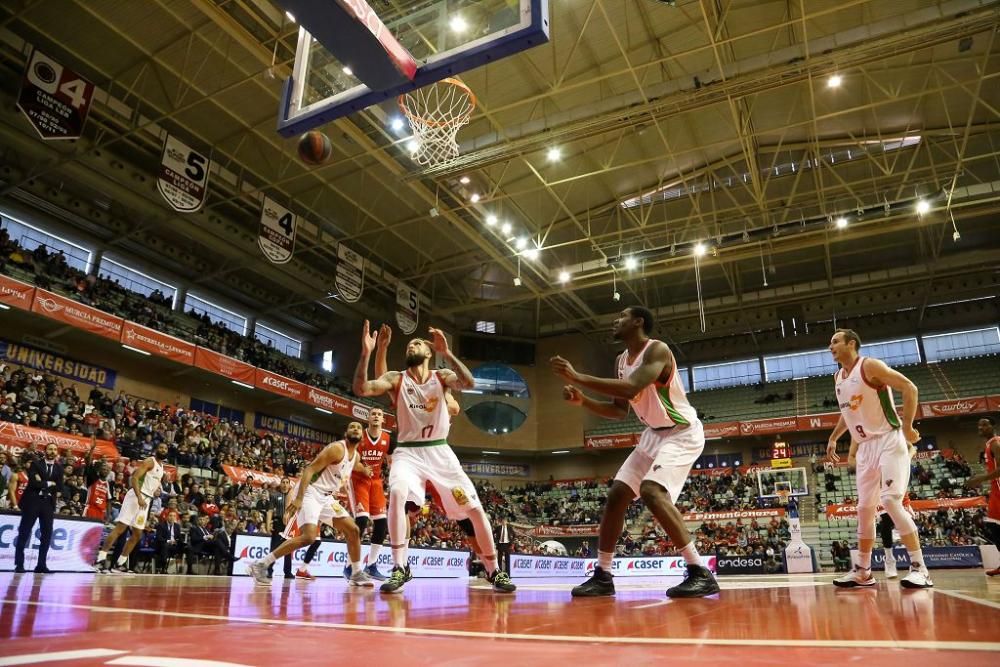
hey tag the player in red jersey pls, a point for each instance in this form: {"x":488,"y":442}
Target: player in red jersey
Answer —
{"x":369,"y":491}
{"x":991,"y":524}
{"x":16,"y":485}
{"x":98,"y":489}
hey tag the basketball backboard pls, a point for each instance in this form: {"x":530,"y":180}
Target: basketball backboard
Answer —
{"x":389,"y":47}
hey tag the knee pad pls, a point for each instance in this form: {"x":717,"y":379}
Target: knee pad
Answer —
{"x":467,"y":527}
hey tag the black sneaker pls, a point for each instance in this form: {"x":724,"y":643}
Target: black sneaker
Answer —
{"x":396,"y":580}
{"x":501,"y":582}
{"x":698,"y":583}
{"x":599,"y":585}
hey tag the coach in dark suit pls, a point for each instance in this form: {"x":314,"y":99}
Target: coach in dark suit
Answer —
{"x":503,"y":537}
{"x":45,"y":479}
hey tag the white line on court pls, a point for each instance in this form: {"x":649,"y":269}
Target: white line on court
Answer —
{"x":58,"y":656}
{"x":578,"y":639}
{"x":969,"y":598}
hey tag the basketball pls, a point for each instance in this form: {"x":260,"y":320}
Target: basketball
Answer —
{"x":315,"y":147}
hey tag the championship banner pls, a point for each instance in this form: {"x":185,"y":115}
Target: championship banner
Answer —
{"x":722,"y":430}
{"x":15,"y":293}
{"x":15,"y":438}
{"x":73,"y":548}
{"x":160,"y":344}
{"x":55,"y":99}
{"x":612,"y":441}
{"x":823,"y":422}
{"x":496,"y":469}
{"x":962,"y":406}
{"x":276,"y":237}
{"x":350,"y":279}
{"x":407,"y":308}
{"x":259,"y":478}
{"x":183,"y":179}
{"x":327,"y":401}
{"x":234,"y":369}
{"x":331,"y":557}
{"x":76,"y":314}
{"x":289,"y":429}
{"x":933,"y":504}
{"x":56,"y":364}
{"x":774,"y":425}
{"x":279,"y":384}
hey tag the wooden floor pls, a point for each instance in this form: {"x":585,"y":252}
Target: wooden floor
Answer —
{"x":167,"y":621}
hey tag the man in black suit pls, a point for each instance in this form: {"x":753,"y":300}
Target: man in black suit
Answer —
{"x":503,"y":536}
{"x":200,"y":542}
{"x":169,"y":541}
{"x":45,"y":479}
{"x":276,"y":520}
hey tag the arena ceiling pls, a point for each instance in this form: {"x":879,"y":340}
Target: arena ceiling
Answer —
{"x":710,"y":121}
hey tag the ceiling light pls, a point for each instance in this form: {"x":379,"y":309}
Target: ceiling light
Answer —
{"x":458,"y":24}
{"x":834,"y":81}
{"x":517,"y":281}
{"x":505,"y":228}
{"x":413,"y":145}
{"x":323,"y":410}
{"x":290,"y":16}
{"x":923,"y":206}
{"x":564,"y":276}
{"x":396,"y":124}
{"x":4,"y":306}
{"x":474,"y":198}
{"x":242,"y":384}
{"x":491,"y":220}
{"x":521,"y":243}
{"x":348,"y":71}
{"x":531,"y":253}
{"x":135,"y":349}
{"x":464,"y":180}
{"x":699,"y":249}
{"x":561,"y":451}
{"x":489,"y":452}
{"x":631,"y":263}
{"x":554,"y":154}
{"x":841,"y":222}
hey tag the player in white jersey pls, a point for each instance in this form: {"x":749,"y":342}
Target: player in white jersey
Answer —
{"x":145,"y":482}
{"x":422,"y":452}
{"x":656,"y":470}
{"x":313,"y":502}
{"x":880,"y":448}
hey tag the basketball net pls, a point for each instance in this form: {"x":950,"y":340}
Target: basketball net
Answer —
{"x":436,"y":113}
{"x":783,"y":496}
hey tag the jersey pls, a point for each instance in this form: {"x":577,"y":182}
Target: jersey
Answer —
{"x":993,"y":509}
{"x":97,"y":500}
{"x":421,"y":410}
{"x":150,"y":483}
{"x":332,"y":478}
{"x":373,"y":451}
{"x":868,"y":410}
{"x":660,"y":404}
{"x":22,"y":486}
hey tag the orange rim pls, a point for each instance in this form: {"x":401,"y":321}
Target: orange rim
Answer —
{"x":441,"y":123}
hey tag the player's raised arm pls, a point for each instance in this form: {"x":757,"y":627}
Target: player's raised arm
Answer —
{"x":656,"y":360}
{"x":461,"y":377}
{"x":362,"y":385}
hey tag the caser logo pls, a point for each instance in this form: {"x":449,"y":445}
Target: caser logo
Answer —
{"x":272,"y":381}
{"x":337,"y":557}
{"x":643,"y":564}
{"x":524,"y":563}
{"x":543,"y":565}
{"x":253,"y":553}
{"x":433,"y":561}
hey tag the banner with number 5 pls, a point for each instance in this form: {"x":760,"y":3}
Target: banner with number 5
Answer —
{"x":407,"y":308}
{"x":183,"y":179}
{"x":55,"y":99}
{"x":277,"y":232}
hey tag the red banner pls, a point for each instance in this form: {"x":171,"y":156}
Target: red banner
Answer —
{"x":279,"y":384}
{"x":734,"y":514}
{"x":611,"y":441}
{"x":324,"y":399}
{"x":564,"y":531}
{"x":233,"y":369}
{"x":160,"y":344}
{"x":962,"y":406}
{"x":260,"y":478}
{"x":823,"y":422}
{"x":77,"y":314}
{"x":929,"y":505}
{"x":15,"y":437}
{"x":773,"y":425}
{"x":722,"y":430}
{"x":15,"y":293}
{"x":993,"y":403}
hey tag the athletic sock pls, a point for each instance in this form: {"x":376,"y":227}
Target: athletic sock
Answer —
{"x":490,"y":564}
{"x":865,"y":560}
{"x":604,"y":559}
{"x":102,"y":556}
{"x":691,"y":554}
{"x":122,"y":561}
{"x":400,"y":556}
{"x":917,"y":560}
{"x":269,"y":559}
{"x":355,"y":566}
{"x":373,"y":553}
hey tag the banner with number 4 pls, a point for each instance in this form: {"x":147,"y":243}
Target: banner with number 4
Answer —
{"x":276,"y":238}
{"x":55,"y":99}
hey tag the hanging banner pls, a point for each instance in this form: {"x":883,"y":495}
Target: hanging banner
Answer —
{"x":962,"y":406}
{"x":929,"y":505}
{"x":327,"y":401}
{"x":160,"y":344}
{"x":993,"y":403}
{"x":55,"y":99}
{"x":30,"y":357}
{"x":722,"y":430}
{"x":256,"y":477}
{"x":15,"y":293}
{"x":611,"y":441}
{"x":774,"y":425}
{"x":16,"y":437}
{"x":77,"y":314}
{"x":277,"y":232}
{"x":183,"y":179}
{"x":350,"y":274}
{"x":407,"y":308}
{"x":234,"y":369}
{"x":279,"y":384}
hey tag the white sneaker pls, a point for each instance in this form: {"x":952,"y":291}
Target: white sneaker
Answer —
{"x":917,"y":579}
{"x":361,"y":578}
{"x":258,"y":570}
{"x":890,"y":567}
{"x":857,"y":578}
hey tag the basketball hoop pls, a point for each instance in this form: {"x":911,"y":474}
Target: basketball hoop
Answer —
{"x":436,"y":113}
{"x":783,"y":495}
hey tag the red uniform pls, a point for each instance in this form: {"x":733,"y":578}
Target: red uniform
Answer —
{"x":97,"y":500}
{"x":369,"y":492}
{"x":993,"y":510}
{"x":22,"y":484}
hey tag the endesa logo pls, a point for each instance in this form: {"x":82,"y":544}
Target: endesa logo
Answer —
{"x":643,"y":564}
{"x":433,"y":561}
{"x":741,"y":562}
{"x":522,"y":563}
{"x":543,"y":565}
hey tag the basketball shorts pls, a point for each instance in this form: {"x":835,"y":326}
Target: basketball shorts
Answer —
{"x":316,"y":508}
{"x":369,"y":496}
{"x":413,"y":467}
{"x":130,"y":513}
{"x":883,"y":467}
{"x":665,"y":457}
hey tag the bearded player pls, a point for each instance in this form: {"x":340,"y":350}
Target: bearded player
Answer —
{"x":422,"y":453}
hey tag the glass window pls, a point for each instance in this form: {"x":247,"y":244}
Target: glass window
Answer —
{"x":327,"y":363}
{"x":281,"y":342}
{"x":730,"y":374}
{"x":135,"y":281}
{"x":958,"y":344}
{"x":30,"y":237}
{"x":500,"y":380}
{"x":799,"y":365}
{"x":484,"y":326}
{"x":217,"y":314}
{"x":683,"y":372}
{"x":495,"y":418}
{"x":499,"y":402}
{"x":893,"y":352}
